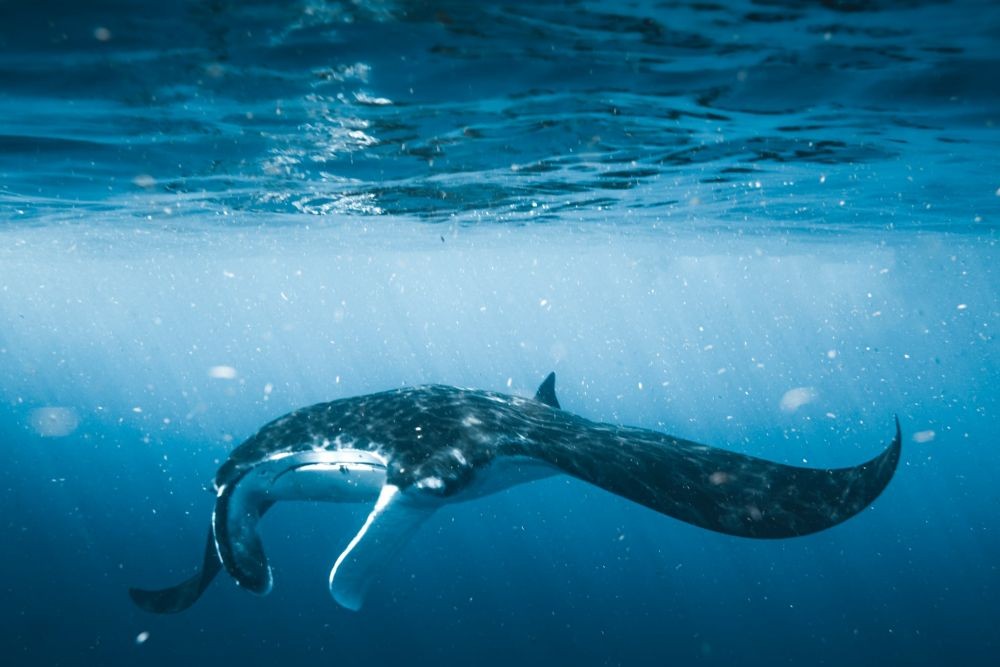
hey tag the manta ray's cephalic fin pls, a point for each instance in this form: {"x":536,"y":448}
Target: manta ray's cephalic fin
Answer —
{"x":547,"y":392}
{"x":238,"y":510}
{"x":718,"y":489}
{"x":183,"y":595}
{"x":397,"y":515}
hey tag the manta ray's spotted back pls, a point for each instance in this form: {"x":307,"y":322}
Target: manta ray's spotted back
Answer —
{"x":410,"y":451}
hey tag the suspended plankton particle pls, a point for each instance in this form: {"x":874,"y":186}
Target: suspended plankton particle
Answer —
{"x":924,"y":436}
{"x":53,"y":422}
{"x":796,"y":398}
{"x":141,"y":637}
{"x":222,"y":372}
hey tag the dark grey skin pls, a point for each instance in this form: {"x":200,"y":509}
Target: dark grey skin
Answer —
{"x":415,"y":449}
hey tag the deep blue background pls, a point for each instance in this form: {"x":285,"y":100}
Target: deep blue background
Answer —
{"x":687,"y":210}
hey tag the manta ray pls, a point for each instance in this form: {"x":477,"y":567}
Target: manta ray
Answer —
{"x":412,"y":450}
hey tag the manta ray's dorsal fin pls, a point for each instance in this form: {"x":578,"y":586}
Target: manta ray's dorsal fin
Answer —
{"x":547,"y":391}
{"x":395,"y":518}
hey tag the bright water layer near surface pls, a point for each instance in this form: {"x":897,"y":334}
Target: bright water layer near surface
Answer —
{"x":767,"y":226}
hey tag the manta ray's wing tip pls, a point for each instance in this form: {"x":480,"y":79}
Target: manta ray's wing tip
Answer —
{"x":897,"y":442}
{"x":896,"y":447}
{"x":392,"y":522}
{"x":166,"y":601}
{"x":350,"y":600}
{"x":144,"y":599}
{"x":178,"y":598}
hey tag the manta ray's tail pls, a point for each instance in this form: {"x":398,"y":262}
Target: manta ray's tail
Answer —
{"x":183,"y":595}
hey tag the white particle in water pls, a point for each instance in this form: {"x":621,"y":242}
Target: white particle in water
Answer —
{"x":796,"y":398}
{"x":222,"y":372}
{"x":54,"y":422}
{"x":141,"y":637}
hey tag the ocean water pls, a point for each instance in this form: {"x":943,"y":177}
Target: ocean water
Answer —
{"x":764,"y":225}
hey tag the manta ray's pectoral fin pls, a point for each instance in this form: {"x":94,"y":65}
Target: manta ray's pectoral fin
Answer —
{"x":238,"y":509}
{"x":722,"y":490}
{"x":547,"y":391}
{"x":397,"y":515}
{"x":183,"y":595}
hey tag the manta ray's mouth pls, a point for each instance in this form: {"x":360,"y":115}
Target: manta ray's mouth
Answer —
{"x":335,"y":476}
{"x":324,"y":468}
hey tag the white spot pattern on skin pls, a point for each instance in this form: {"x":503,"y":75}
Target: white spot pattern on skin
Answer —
{"x":430,"y":483}
{"x":459,"y":457}
{"x":470,"y":421}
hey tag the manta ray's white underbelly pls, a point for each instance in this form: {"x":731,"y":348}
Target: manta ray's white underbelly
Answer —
{"x":503,"y":473}
{"x":345,"y":475}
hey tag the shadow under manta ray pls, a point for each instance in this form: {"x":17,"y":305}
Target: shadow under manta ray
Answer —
{"x":412,"y":450}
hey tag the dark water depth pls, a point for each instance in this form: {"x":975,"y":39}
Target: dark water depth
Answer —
{"x":764,"y":225}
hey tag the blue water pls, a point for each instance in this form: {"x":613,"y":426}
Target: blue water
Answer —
{"x":212,"y":213}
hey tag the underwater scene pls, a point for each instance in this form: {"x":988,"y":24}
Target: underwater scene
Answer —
{"x":370,"y":332}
